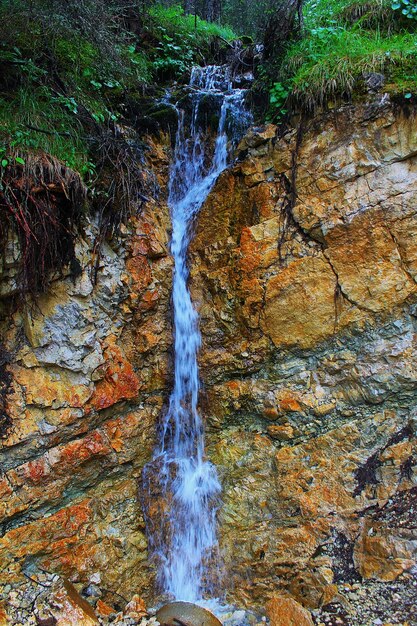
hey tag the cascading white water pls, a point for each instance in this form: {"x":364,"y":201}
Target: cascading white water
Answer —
{"x":184,"y":538}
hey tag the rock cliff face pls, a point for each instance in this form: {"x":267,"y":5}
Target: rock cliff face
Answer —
{"x":304,"y":269}
{"x":90,"y":367}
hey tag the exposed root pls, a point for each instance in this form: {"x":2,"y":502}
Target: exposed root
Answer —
{"x":121,"y":172}
{"x":290,"y":196}
{"x":5,"y":384}
{"x":41,"y":202}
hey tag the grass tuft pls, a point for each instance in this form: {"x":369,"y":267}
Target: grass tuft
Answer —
{"x":344,"y":42}
{"x":333,"y":63}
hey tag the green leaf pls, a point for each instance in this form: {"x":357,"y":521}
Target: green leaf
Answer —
{"x":4,"y":162}
{"x":19,"y":160}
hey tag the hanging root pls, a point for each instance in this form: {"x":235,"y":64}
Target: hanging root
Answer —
{"x":5,"y":385}
{"x":123,"y":180}
{"x":41,"y":203}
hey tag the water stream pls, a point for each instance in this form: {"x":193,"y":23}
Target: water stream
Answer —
{"x":183,"y":538}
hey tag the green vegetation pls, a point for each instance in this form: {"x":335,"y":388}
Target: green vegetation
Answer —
{"x":407,"y":8}
{"x":181,"y":40}
{"x":76,"y":78}
{"x":68,"y":68}
{"x":343,"y":44}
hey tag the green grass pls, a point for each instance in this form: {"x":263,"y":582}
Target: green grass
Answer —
{"x":181,"y":40}
{"x":177,"y":23}
{"x":343,"y":41}
{"x":332,"y":62}
{"x":366,"y":13}
{"x":31,"y":121}
{"x":67,"y":74}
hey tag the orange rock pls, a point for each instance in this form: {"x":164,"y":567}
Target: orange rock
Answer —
{"x":283,"y":611}
{"x":329,"y":593}
{"x":146,"y":340}
{"x":124,"y":432}
{"x":43,"y":388}
{"x":37,"y":470}
{"x":136,"y":608}
{"x":120,"y":381}
{"x":5,"y":488}
{"x":70,"y":609}
{"x":398,"y":453}
{"x":4,"y":621}
{"x":149,"y":300}
{"x":282,"y":432}
{"x":103,"y":609}
{"x":139,"y":269}
{"x":300,"y":303}
{"x":381,"y":554}
{"x":74,"y":453}
{"x":289,"y":402}
{"x":368,"y":263}
{"x":271,"y":412}
{"x":264,"y":197}
{"x":249,"y":249}
{"x":318,"y":475}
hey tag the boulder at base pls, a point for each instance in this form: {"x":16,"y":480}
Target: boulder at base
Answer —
{"x":284,"y":611}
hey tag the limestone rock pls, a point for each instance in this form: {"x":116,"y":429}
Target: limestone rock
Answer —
{"x":308,"y":319}
{"x":308,"y":313}
{"x":86,"y":393}
{"x":300,"y":303}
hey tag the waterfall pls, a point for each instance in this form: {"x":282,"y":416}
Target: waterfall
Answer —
{"x":182,"y":535}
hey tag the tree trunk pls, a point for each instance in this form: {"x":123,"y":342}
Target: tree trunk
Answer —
{"x":282,"y":26}
{"x":188,"y":6}
{"x":212,"y":10}
{"x":217,"y":10}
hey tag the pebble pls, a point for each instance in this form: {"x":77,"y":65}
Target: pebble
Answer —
{"x":387,"y":604}
{"x":92,"y":591}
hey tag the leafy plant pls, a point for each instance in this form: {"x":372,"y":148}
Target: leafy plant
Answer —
{"x":344,"y":41}
{"x":278,"y":95}
{"x":407,"y":8}
{"x":182,"y":39}
{"x":68,"y":103}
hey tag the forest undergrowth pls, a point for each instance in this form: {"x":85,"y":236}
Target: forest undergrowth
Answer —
{"x":344,"y":50}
